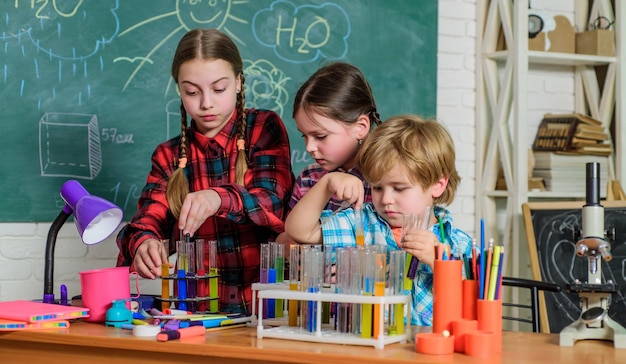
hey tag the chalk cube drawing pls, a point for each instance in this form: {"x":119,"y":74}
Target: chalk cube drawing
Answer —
{"x":69,"y":145}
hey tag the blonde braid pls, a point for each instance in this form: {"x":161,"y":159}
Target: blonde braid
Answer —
{"x":178,"y":186}
{"x":241,"y":166}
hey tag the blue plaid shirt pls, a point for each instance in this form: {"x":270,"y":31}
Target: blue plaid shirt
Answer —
{"x":339,"y":231}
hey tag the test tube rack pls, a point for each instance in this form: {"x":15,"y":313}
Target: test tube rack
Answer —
{"x":197,"y":299}
{"x":328,"y":335}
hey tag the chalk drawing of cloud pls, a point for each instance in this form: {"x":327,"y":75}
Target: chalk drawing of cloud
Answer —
{"x":300,"y":34}
{"x":68,"y":30}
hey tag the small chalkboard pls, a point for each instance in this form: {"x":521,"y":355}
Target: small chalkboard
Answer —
{"x":550,"y":228}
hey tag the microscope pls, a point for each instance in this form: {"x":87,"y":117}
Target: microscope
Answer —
{"x":594,"y":242}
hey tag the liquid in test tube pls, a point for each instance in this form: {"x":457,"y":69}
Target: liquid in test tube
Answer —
{"x":265,"y":262}
{"x":396,"y":286}
{"x":213,"y":276}
{"x":271,"y":278}
{"x":294,"y":280}
{"x":191,"y":276}
{"x":360,"y":234}
{"x":380,"y":271}
{"x":181,"y":274}
{"x":369,"y":272}
{"x":165,"y":272}
{"x":202,"y":287}
{"x":327,"y":307}
{"x":278,"y":257}
{"x":314,"y":285}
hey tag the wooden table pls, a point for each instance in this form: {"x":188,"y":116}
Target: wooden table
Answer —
{"x":94,"y":343}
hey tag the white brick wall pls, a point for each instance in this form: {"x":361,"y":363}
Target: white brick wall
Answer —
{"x":22,"y":245}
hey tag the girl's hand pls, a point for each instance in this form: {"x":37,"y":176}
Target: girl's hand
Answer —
{"x":421,"y":244}
{"x":147,"y":260}
{"x":346,"y":187}
{"x":197,"y":207}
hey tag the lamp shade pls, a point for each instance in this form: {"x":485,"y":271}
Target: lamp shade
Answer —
{"x":95,"y":217}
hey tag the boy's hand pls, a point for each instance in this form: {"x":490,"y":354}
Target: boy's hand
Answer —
{"x":421,"y":244}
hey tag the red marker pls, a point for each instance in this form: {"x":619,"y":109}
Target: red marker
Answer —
{"x":167,"y":335}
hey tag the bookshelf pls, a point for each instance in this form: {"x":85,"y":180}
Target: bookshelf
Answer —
{"x":502,"y":137}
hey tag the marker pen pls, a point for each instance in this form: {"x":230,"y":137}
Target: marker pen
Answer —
{"x":167,"y":335}
{"x":64,"y":301}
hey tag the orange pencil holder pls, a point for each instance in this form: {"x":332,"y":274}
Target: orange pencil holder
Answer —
{"x":460,"y":328}
{"x":447,"y":294}
{"x":470,"y":297}
{"x":434,"y":344}
{"x":489,"y":313}
{"x":479,"y":343}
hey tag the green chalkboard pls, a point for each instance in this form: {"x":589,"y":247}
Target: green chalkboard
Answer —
{"x":87,"y":94}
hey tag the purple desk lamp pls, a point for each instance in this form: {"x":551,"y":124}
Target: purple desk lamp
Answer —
{"x":95,"y":218}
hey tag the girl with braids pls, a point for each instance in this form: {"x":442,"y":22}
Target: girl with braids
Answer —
{"x":334,"y":110}
{"x":227,"y":177}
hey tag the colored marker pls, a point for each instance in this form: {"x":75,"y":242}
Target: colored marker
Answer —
{"x":168,"y":335}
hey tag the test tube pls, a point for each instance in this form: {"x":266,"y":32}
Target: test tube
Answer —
{"x":369,"y":272}
{"x":380,"y":278}
{"x":181,"y":274}
{"x":326,"y":281}
{"x":356,"y":286}
{"x":191,"y":276}
{"x":271,"y":278}
{"x":213,"y":276}
{"x":201,"y":271}
{"x":265,"y":262}
{"x":165,"y":272}
{"x":294,"y":279}
{"x":311,"y":264}
{"x":396,"y":287}
{"x":314,"y":286}
{"x":358,"y":227}
{"x":342,"y":286}
{"x":264,"y":270}
{"x":278,"y":258}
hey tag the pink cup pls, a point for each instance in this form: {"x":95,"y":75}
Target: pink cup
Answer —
{"x":99,"y":287}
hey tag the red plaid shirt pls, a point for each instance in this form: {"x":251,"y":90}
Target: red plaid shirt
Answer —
{"x":248,"y":215}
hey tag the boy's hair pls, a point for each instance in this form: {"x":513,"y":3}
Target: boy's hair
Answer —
{"x":338,"y":91}
{"x":424,"y":148}
{"x":206,"y":44}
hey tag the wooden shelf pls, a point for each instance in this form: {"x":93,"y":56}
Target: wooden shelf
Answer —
{"x":502,"y":110}
{"x":553,"y":58}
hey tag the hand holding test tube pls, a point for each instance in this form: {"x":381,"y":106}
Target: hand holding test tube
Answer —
{"x":413,"y":222}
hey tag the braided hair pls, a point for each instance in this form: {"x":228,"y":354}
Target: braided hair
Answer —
{"x":206,"y":44}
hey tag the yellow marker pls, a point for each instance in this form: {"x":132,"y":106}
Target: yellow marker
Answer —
{"x":493,"y":276}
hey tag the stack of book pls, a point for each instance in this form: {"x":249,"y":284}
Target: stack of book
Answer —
{"x":566,"y":172}
{"x":590,"y":137}
{"x":31,"y":315}
{"x":574,"y":133}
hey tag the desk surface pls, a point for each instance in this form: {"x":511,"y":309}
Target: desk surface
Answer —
{"x":102,"y":344}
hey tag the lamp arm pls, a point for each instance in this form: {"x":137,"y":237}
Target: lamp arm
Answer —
{"x":48,"y":289}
